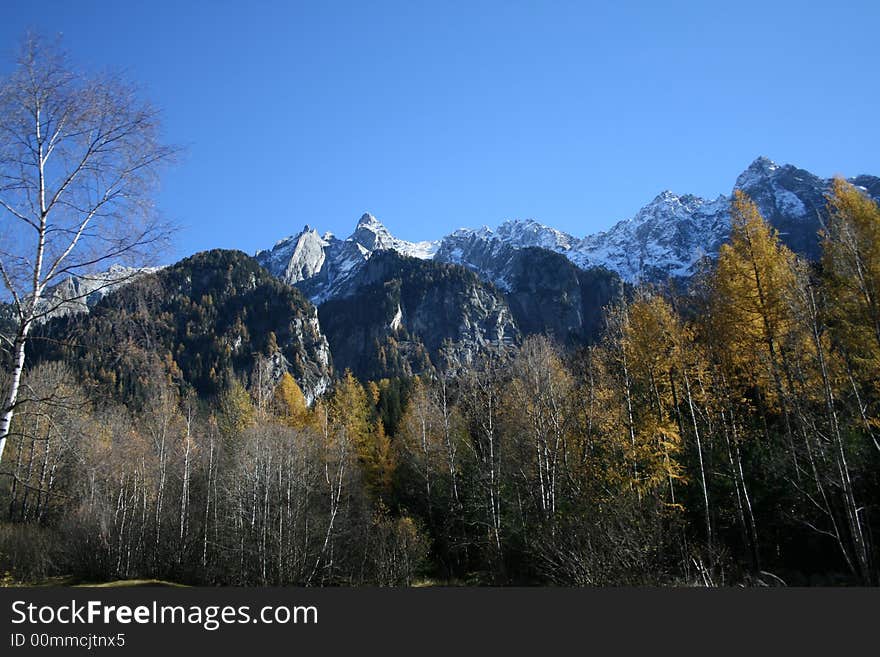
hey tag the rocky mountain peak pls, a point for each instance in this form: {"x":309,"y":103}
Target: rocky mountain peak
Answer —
{"x":372,"y":234}
{"x":761,"y":169}
{"x":666,"y":237}
{"x":367,"y":220}
{"x":666,"y":196}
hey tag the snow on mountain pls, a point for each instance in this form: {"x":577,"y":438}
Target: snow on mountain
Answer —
{"x":528,"y":232}
{"x":792,"y":200}
{"x":297,"y":257}
{"x":483,"y":251}
{"x":78,"y":293}
{"x":666,"y":238}
{"x":374,"y":236}
{"x":321,"y":266}
{"x":758,"y":171}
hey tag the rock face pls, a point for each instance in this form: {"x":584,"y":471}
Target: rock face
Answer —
{"x":298,"y":258}
{"x":389,"y":306}
{"x":76,"y":294}
{"x":665,"y":239}
{"x":403,"y":315}
{"x":669,"y":236}
{"x":548,"y":294}
{"x":481,"y":251}
{"x":546,"y":291}
{"x":792,"y":200}
{"x":321,"y":266}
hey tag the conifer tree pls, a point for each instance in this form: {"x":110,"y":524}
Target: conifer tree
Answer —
{"x":289,"y":403}
{"x":351,"y":413}
{"x":752,"y":286}
{"x":851,"y":258}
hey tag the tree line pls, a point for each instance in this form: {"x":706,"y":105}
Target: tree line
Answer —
{"x":727,"y":434}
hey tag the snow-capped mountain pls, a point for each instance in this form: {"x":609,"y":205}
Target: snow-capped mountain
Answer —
{"x":78,"y":293}
{"x":393,"y":307}
{"x":321,"y":266}
{"x":670,"y":235}
{"x":482,"y":251}
{"x":793,"y":200}
{"x":374,"y":236}
{"x":665,"y":239}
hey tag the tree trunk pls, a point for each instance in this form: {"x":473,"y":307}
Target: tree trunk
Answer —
{"x":14,"y":384}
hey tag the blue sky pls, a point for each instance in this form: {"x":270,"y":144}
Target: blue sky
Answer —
{"x":435,"y":115}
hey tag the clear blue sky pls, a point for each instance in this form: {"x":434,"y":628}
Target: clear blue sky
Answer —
{"x":445,"y":114}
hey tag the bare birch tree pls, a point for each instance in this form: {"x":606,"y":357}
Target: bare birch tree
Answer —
{"x":79,"y":157}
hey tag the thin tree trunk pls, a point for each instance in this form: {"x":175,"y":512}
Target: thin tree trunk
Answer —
{"x":705,"y":488}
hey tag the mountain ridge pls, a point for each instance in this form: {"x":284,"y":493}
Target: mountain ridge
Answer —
{"x":665,"y":239}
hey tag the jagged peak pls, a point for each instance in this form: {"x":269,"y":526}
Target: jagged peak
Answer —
{"x":666,"y":196}
{"x":372,"y":233}
{"x":282,"y":242}
{"x":483,"y":231}
{"x":760,"y":169}
{"x":667,"y":235}
{"x":368,"y":220}
{"x":369,"y":224}
{"x":763,"y":163}
{"x":520,"y":222}
{"x":290,"y":239}
{"x":530,"y":232}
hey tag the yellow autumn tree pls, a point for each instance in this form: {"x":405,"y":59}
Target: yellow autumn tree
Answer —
{"x":635,"y":363}
{"x":380,"y":461}
{"x":851,"y":259}
{"x":650,"y":340}
{"x":654,"y":337}
{"x":289,"y":403}
{"x":752,"y":314}
{"x":350,"y":415}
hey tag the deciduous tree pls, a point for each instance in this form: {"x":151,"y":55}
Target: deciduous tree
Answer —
{"x":78,"y":162}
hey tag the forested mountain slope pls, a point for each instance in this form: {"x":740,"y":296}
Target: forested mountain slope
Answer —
{"x":204,"y":321}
